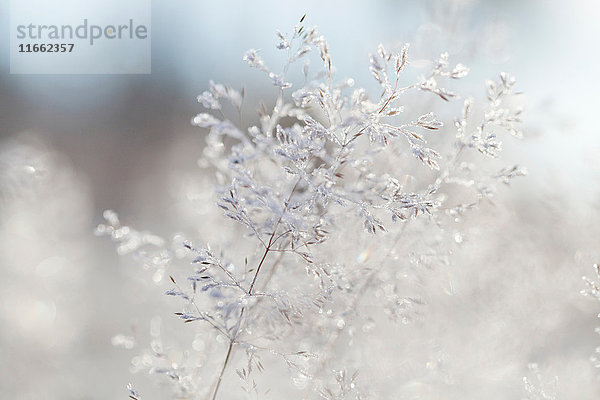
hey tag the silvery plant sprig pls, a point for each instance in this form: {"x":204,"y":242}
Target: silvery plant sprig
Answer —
{"x":593,"y":290}
{"x":336,"y":197}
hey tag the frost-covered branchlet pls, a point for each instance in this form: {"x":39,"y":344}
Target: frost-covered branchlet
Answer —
{"x":593,"y":290}
{"x":539,"y":389}
{"x":329,"y":189}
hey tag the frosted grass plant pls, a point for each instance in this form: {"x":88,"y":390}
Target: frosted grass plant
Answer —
{"x":341,"y":209}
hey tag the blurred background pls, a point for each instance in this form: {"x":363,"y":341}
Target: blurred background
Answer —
{"x":73,"y":146}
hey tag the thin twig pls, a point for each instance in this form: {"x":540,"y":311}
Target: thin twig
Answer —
{"x":214,"y":396}
{"x":268,"y":249}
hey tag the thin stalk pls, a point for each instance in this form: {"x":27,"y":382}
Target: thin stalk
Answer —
{"x":214,"y":396}
{"x":268,"y":249}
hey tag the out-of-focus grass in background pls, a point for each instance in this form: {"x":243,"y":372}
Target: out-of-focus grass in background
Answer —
{"x":124,"y":142}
